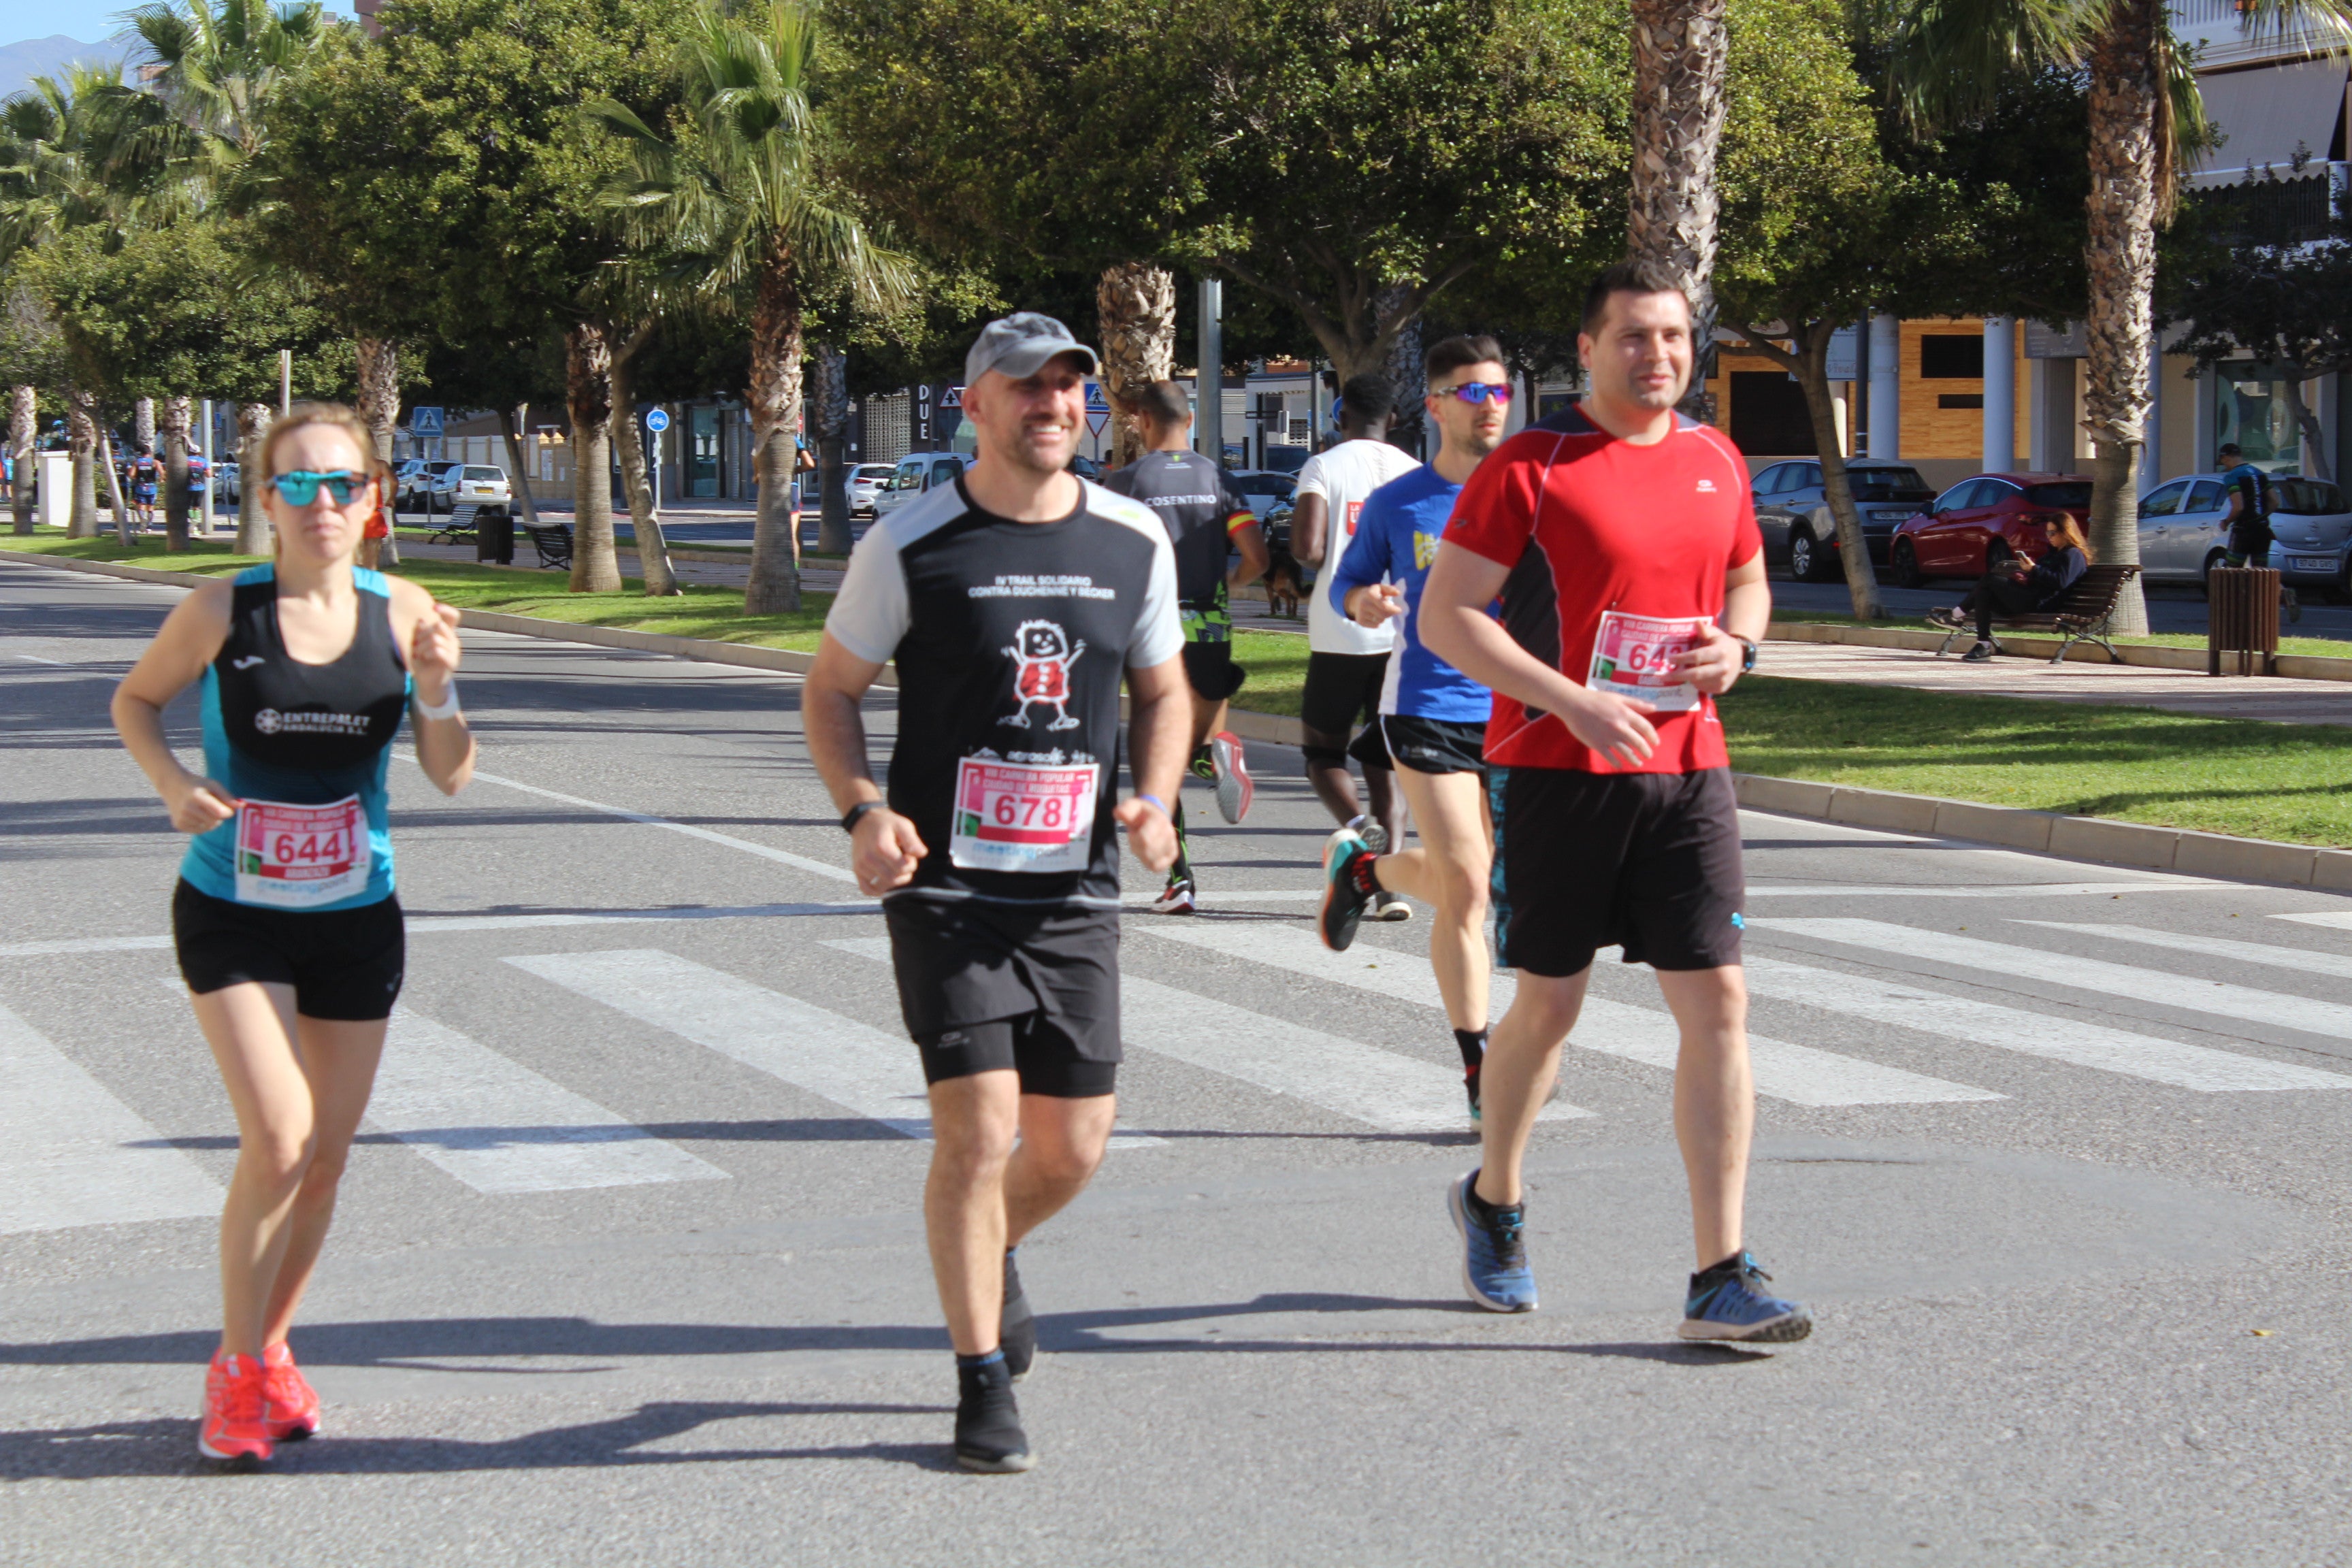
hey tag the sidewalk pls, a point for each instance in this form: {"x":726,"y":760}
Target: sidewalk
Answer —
{"x":2274,"y":698}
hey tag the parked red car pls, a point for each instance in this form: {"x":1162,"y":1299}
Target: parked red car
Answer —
{"x":1983,"y":522}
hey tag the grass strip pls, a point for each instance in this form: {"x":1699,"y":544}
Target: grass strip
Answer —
{"x":2323,"y":646}
{"x":2286,"y":782}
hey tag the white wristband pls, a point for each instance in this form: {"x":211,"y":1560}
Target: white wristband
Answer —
{"x":445,"y":708}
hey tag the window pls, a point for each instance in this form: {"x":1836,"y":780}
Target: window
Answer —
{"x":486,"y":473}
{"x":1999,"y":493}
{"x":1951,"y":356}
{"x":1809,"y":476}
{"x":1769,"y":481}
{"x":1884,"y":483}
{"x":702,"y":452}
{"x":2305,"y":498}
{"x":2166,"y":501}
{"x":1956,"y":498}
{"x":1960,"y":400}
{"x":1768,"y":414}
{"x":910,"y":477}
{"x":945,"y":470}
{"x":2205,"y":496}
{"x":2072,"y":493}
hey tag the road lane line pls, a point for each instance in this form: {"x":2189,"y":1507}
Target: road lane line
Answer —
{"x":2053,"y":1037}
{"x":2009,"y":962}
{"x":2298,"y":958}
{"x":782,"y":857}
{"x":72,"y":1154}
{"x":853,"y":1064}
{"x":437,"y":925}
{"x":1797,"y":1074}
{"x":1985,"y":891}
{"x":1361,"y":1082}
{"x":2336,"y":920}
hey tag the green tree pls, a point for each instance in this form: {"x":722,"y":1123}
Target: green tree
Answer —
{"x":32,"y":355}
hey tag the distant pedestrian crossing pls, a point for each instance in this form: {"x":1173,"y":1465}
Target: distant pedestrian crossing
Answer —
{"x":72,"y":1152}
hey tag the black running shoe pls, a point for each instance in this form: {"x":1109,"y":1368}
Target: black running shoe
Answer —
{"x":1018,"y":1327}
{"x":1345,"y":858}
{"x":988,"y":1434}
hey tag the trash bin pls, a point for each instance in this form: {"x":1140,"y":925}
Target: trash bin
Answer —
{"x":2242,"y":618}
{"x":494,"y":539}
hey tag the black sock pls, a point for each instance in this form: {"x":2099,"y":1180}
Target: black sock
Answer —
{"x":993,"y":1358}
{"x":1483,"y":1211}
{"x":1181,"y":871}
{"x":1472,"y":1044}
{"x":1717,"y":1271}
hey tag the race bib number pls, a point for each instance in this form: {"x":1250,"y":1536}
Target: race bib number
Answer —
{"x":300,"y":857}
{"x":1022,"y":816}
{"x":1633,"y":656}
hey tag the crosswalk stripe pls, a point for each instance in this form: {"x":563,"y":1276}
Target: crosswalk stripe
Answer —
{"x":2337,"y":919}
{"x":2053,"y":1037}
{"x":1799,"y":1075}
{"x":2218,"y":998}
{"x":2300,"y":958}
{"x":500,"y":1127}
{"x":1361,"y":1082}
{"x":853,"y":1064}
{"x":765,"y":851}
{"x":72,"y":1154}
{"x":446,"y":925}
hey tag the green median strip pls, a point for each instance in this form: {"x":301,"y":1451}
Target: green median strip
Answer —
{"x":2315,"y":647}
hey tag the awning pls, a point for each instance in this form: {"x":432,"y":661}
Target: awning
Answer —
{"x":2266,"y":113}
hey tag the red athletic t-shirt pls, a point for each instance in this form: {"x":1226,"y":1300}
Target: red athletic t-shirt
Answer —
{"x":1589,"y":523}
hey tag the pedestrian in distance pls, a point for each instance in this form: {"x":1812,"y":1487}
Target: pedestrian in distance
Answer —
{"x":1432,"y":716}
{"x":1206,"y":522}
{"x":1013,"y":602}
{"x":1346,"y":664}
{"x":2020,"y":585}
{"x":144,"y":473}
{"x":288,"y":929}
{"x":2251,"y":501}
{"x":1620,"y":541}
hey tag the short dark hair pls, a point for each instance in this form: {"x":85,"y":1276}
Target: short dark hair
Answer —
{"x":1365,"y":398}
{"x":2230,"y":450}
{"x":1159,"y":403}
{"x":1627,"y":277}
{"x":1462,"y":350}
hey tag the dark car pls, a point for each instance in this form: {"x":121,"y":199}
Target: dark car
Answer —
{"x":1983,"y":522}
{"x":1792,"y":509}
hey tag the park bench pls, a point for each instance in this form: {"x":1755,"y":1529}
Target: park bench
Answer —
{"x":459,"y":528}
{"x":554,"y":543}
{"x":2082,"y":615}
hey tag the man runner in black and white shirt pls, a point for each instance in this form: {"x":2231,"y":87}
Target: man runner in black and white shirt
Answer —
{"x":1011,"y":602}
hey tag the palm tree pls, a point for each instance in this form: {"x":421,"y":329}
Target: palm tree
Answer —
{"x":1952,"y":56}
{"x":744,"y":194}
{"x":1681,"y":50}
{"x":1136,"y":303}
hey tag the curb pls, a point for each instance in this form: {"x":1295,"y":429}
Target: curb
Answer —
{"x":2089,"y":838}
{"x":2292,"y":665}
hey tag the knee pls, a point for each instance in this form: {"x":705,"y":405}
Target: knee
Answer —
{"x":1069,"y":1164}
{"x":279,"y":1160}
{"x":971,"y":1158}
{"x":326,"y":1166}
{"x":1462,"y":892}
{"x":1319,"y":757}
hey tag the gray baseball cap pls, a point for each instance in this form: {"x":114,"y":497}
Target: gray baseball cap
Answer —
{"x":1021,"y":342}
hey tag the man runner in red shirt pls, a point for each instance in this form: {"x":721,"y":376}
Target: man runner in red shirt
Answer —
{"x":1620,"y":539}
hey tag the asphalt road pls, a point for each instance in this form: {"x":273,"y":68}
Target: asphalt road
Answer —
{"x":628,"y":1267}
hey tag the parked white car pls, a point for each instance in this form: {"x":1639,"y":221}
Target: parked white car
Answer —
{"x":473,"y":484}
{"x":2184,"y":529}
{"x":866,"y":482}
{"x":914,"y":474}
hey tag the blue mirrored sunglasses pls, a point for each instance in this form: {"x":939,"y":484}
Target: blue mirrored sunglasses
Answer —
{"x":1481,"y":391}
{"x":300,"y":487}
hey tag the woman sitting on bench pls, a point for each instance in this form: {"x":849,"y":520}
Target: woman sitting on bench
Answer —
{"x":2022,"y":587}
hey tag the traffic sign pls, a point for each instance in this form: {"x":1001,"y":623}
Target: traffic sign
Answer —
{"x":658,"y":420}
{"x":951,"y":398}
{"x":424,"y":421}
{"x":1096,"y":421}
{"x":1094,"y":398}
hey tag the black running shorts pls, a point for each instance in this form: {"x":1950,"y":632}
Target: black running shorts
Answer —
{"x":1343,"y":689}
{"x":985,"y":986}
{"x":344,"y":965}
{"x":1650,"y":861}
{"x":1434,"y":746}
{"x":1209,"y":669}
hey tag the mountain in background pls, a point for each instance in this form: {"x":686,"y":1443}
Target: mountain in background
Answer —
{"x":20,"y":63}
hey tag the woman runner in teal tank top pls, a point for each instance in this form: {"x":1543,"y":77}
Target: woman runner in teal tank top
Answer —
{"x":289,"y":933}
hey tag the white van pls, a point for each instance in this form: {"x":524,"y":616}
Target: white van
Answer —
{"x":914,"y":473}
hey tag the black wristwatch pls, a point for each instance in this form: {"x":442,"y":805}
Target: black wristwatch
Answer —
{"x":1746,"y":653}
{"x":849,"y":818}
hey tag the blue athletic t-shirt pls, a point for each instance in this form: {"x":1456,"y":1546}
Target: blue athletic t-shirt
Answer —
{"x":1396,"y":540}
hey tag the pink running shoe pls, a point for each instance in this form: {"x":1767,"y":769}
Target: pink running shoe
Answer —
{"x":289,"y":1404}
{"x":232,"y":1430}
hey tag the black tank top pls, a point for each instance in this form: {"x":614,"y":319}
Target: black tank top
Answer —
{"x":312,"y":717}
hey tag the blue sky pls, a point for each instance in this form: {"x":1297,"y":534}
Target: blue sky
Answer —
{"x":86,"y":20}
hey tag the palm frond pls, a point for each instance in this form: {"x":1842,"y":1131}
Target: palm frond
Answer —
{"x":1949,"y":58}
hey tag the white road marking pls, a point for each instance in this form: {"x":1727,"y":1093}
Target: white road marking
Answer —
{"x":1983,"y":890}
{"x":72,"y":1154}
{"x":37,"y":659}
{"x":1361,"y":1082}
{"x":500,"y":1127}
{"x":437,"y":925}
{"x":766,"y":852}
{"x":2218,"y":998}
{"x":853,"y":1064}
{"x":2338,"y":919}
{"x":1797,"y":1074}
{"x":2052,"y":1036}
{"x":2297,"y":958}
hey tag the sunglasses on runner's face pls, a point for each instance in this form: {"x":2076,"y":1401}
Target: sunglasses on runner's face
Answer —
{"x":1480,"y":392}
{"x":300,"y":487}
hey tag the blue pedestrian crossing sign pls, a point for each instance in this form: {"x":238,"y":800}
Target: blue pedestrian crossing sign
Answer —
{"x":658,"y":420}
{"x":1094,"y":398}
{"x":424,"y":421}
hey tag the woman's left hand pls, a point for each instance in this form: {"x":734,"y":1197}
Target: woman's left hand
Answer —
{"x":434,"y":654}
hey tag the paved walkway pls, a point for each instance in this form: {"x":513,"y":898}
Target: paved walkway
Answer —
{"x":2228,"y":697}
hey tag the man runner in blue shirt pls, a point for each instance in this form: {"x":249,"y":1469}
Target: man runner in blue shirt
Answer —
{"x":1433,"y":716}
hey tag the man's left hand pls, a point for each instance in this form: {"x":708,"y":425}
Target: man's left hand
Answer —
{"x":1712,"y":663}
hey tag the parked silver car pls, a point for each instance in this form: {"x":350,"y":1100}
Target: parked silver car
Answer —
{"x":2184,"y":529}
{"x":1792,"y":509}
{"x":866,"y":482}
{"x":914,"y":474}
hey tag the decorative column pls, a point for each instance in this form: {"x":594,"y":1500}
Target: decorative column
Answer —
{"x":1886,"y":387}
{"x":2000,"y":394}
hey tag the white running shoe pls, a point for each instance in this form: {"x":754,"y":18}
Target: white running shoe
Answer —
{"x":1234,"y":790}
{"x":1175,"y":899}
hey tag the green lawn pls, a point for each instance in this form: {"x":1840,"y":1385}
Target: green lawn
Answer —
{"x":2289,"y":782}
{"x":2322,"y":646}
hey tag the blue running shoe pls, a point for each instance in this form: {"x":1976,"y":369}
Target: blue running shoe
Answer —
{"x":1493,"y":1255}
{"x":1347,"y":860}
{"x":1729,"y":1301}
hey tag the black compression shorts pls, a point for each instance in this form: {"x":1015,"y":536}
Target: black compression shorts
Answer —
{"x":1209,"y":669}
{"x":344,"y":965}
{"x":1343,"y":689}
{"x":1648,"y":860}
{"x":985,"y":986}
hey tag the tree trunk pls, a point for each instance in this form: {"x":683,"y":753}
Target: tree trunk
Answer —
{"x":653,"y":545}
{"x":1680,"y":48}
{"x":114,"y":488}
{"x":2120,"y":255}
{"x":588,"y":390}
{"x":142,"y":426}
{"x":178,"y":414}
{"x":1408,"y":378}
{"x":379,"y":408}
{"x":253,"y":526}
{"x":24,"y":468}
{"x":81,"y":440}
{"x":828,"y":424}
{"x":1136,"y":302}
{"x":775,"y":396}
{"x":521,"y":474}
{"x":1810,"y":364}
{"x":2314,"y":447}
